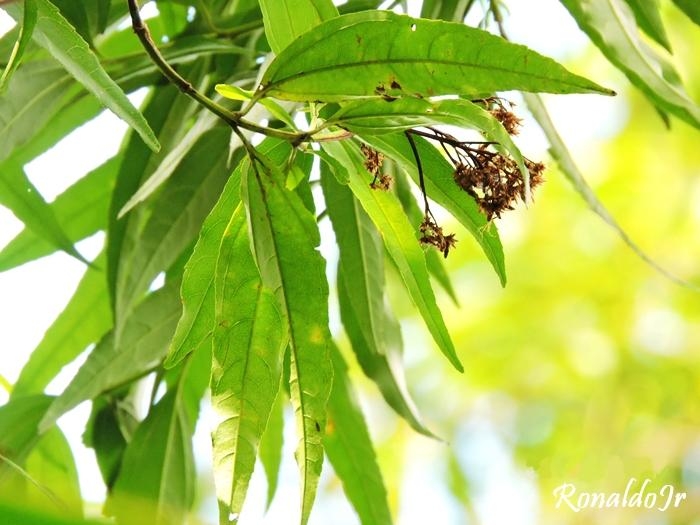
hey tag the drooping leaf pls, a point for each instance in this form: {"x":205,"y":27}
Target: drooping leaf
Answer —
{"x":349,"y":447}
{"x":81,"y":210}
{"x":139,"y":161}
{"x":157,"y":478}
{"x":373,"y":332}
{"x":19,"y":195}
{"x":198,"y":318}
{"x":270,"y":449}
{"x":649,"y":20}
{"x":103,"y":433}
{"x":611,"y":27}
{"x":84,"y":320}
{"x":568,"y":166}
{"x":176,"y":217}
{"x":39,"y":90}
{"x":285,"y":236}
{"x":19,"y":422}
{"x":143,"y":343}
{"x":380,"y":53}
{"x":52,"y":466}
{"x":442,"y":189}
{"x":285,"y":20}
{"x":167,"y":166}
{"x":55,"y":34}
{"x":249,"y":342}
{"x":691,"y":8}
{"x":400,"y":241}
{"x":23,"y":39}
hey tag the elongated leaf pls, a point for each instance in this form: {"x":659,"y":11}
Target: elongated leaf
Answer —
{"x":84,"y":320}
{"x":285,"y":20}
{"x":249,"y":342}
{"x":198,"y":318}
{"x":176,"y":218}
{"x":55,"y":34}
{"x":166,"y":168}
{"x":24,"y":38}
{"x":19,"y":421}
{"x":285,"y":236}
{"x":138,"y":161}
{"x":349,"y":448}
{"x":143,"y":344}
{"x":105,"y":436}
{"x":19,"y":195}
{"x":649,"y":20}
{"x":52,"y":466}
{"x":38,"y":92}
{"x":400,"y":241}
{"x":373,"y":332}
{"x":610,"y":25}
{"x":81,"y":210}
{"x":380,"y":53}
{"x":691,"y":8}
{"x":568,"y":166}
{"x":442,"y":189}
{"x":157,"y":478}
{"x":270,"y":450}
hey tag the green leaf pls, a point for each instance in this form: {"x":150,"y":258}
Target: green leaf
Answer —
{"x":19,"y":195}
{"x":270,"y":449}
{"x":381,"y":53}
{"x":372,"y":330}
{"x":23,"y":39}
{"x":285,"y":236}
{"x":176,"y":217}
{"x":20,"y":515}
{"x":19,"y":421}
{"x":197,"y":292}
{"x":157,"y":478}
{"x":52,"y":466}
{"x":55,"y":34}
{"x":143,"y":344}
{"x":400,"y":241}
{"x":81,"y":210}
{"x":568,"y":166}
{"x":691,"y":8}
{"x":249,"y":342}
{"x":349,"y":447}
{"x":104,"y":435}
{"x":138,"y":161}
{"x":285,"y":20}
{"x":233,"y":92}
{"x":611,"y":27}
{"x":84,"y":320}
{"x":649,"y":20}
{"x":37,"y":95}
{"x":442,"y":189}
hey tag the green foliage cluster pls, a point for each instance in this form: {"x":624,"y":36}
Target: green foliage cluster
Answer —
{"x":262,"y":119}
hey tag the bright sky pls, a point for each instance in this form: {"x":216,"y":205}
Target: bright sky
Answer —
{"x":31,"y":296}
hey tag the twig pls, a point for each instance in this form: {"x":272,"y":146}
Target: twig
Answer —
{"x":231,"y":118}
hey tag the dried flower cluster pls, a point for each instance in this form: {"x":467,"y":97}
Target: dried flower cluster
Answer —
{"x":494,"y":180}
{"x":373,"y":164}
{"x":432,"y":234}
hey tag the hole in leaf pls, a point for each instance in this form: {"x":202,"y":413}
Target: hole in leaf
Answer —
{"x":413,"y":27}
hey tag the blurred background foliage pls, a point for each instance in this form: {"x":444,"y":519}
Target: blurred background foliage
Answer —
{"x":585,"y":368}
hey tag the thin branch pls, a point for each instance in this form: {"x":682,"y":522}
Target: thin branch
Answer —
{"x":419,"y":166}
{"x":231,"y":118}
